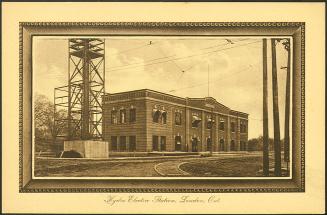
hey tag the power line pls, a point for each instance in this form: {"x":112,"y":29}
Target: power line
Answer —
{"x":171,"y":56}
{"x":127,"y":50}
{"x":204,"y":83}
{"x":160,"y":50}
{"x":143,"y":62}
{"x":189,"y":56}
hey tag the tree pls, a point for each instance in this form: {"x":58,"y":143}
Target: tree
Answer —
{"x":253,"y":144}
{"x":256,"y":144}
{"x":44,"y":118}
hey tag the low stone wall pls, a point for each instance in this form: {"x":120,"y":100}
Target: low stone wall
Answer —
{"x":88,"y":148}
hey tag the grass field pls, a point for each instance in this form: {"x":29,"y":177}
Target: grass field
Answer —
{"x":93,"y":168}
{"x":226,"y":167}
{"x":216,"y":166}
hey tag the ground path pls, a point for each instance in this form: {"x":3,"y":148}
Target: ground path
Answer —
{"x":222,"y":164}
{"x":170,"y":168}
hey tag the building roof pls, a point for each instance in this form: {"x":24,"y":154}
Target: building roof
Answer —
{"x":205,"y":101}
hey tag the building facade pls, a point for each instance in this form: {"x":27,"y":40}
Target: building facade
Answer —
{"x":149,"y":121}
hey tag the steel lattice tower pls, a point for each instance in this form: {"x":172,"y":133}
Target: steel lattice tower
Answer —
{"x":81,"y":98}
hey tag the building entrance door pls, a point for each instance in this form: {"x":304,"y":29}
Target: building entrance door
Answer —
{"x":178,"y":143}
{"x":194,"y":145}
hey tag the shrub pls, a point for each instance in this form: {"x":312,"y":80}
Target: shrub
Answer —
{"x":205,"y":154}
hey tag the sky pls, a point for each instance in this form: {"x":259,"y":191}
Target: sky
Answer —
{"x":178,"y":66}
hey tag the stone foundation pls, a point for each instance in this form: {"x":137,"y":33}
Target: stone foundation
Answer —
{"x":88,"y":148}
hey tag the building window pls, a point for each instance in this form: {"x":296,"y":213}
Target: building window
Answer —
{"x":113,"y":143}
{"x":132,"y":115}
{"x":162,"y":143}
{"x":122,"y":143}
{"x":155,"y":145}
{"x":156,"y":115}
{"x":114,"y":117}
{"x":178,"y":143}
{"x":122,"y":118}
{"x":232,"y":145}
{"x":221,"y":145}
{"x":209,"y":144}
{"x":210,"y":122}
{"x":243,"y":127}
{"x":159,"y":115}
{"x":132,"y":143}
{"x":196,"y":121}
{"x":178,"y":118}
{"x":232,"y":126}
{"x":222,"y":125}
{"x":164,"y":117}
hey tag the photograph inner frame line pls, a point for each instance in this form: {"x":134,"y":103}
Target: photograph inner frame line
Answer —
{"x":291,"y":29}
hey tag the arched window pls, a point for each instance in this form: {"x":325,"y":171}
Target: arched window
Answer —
{"x":178,"y":118}
{"x":164,"y":116}
{"x":122,"y":115}
{"x":196,"y":121}
{"x":114,"y":117}
{"x":155,"y":114}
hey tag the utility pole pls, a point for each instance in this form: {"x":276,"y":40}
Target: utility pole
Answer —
{"x":265,"y":112}
{"x":275,"y":111}
{"x":287,"y":46}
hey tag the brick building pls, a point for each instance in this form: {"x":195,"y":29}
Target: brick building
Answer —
{"x":147,"y":120}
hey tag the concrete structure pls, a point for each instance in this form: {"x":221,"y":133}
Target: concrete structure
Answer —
{"x":88,"y":148}
{"x":147,"y":121}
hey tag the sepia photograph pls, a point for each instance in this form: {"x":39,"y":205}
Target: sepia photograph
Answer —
{"x":162,"y":106}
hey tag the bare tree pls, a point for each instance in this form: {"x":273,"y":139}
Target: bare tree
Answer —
{"x":44,"y":118}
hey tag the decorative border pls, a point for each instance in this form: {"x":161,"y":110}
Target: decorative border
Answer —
{"x":29,"y":189}
{"x":160,"y":190}
{"x":20,"y":106}
{"x":303,"y":106}
{"x":165,"y":24}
